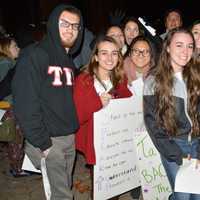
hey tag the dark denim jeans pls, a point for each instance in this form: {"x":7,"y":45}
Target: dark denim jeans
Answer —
{"x":171,"y":169}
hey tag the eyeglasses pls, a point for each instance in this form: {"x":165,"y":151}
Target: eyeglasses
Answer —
{"x":137,"y":52}
{"x":66,"y":24}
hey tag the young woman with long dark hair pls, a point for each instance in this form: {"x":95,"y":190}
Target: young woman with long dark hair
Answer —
{"x":171,"y":105}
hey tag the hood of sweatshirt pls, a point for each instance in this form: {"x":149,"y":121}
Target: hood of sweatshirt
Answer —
{"x":52,"y":41}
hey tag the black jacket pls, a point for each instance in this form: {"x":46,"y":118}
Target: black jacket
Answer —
{"x":43,"y":102}
{"x":160,"y":137}
{"x":5,"y":84}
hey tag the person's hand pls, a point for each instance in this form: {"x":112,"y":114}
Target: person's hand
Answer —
{"x":197,"y":165}
{"x":45,"y":152}
{"x":105,"y":98}
{"x":116,"y":17}
{"x":189,"y":157}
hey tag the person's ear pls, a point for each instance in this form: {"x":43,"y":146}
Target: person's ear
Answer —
{"x":96,"y":58}
{"x":167,"y":49}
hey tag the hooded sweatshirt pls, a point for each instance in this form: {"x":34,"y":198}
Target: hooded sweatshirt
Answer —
{"x":42,"y":87}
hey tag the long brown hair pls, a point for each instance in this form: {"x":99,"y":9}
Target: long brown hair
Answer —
{"x":116,"y":74}
{"x":197,"y":50}
{"x":191,"y":75}
{"x":164,"y":84}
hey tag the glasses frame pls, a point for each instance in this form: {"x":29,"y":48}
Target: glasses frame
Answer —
{"x":65,"y":24}
{"x":137,"y":52}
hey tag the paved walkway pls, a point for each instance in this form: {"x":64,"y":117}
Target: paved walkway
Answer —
{"x":30,"y":188}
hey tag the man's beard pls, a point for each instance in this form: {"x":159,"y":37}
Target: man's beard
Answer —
{"x":67,"y":44}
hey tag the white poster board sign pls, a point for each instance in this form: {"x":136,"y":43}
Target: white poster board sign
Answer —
{"x":155,"y":185}
{"x":112,"y":127}
{"x":2,"y":112}
{"x":116,"y":168}
{"x":28,"y":165}
{"x":188,"y":177}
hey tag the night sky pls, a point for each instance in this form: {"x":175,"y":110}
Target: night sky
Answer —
{"x":96,"y":12}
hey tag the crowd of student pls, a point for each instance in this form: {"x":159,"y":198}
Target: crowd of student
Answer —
{"x":53,"y":111}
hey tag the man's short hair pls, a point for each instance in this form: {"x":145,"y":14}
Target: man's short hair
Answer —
{"x":73,"y":10}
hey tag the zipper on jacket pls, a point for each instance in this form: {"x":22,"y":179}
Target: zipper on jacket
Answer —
{"x":190,"y":138}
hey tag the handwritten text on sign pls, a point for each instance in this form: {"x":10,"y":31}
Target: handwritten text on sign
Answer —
{"x":155,"y":185}
{"x":116,"y":168}
{"x":125,"y":153}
